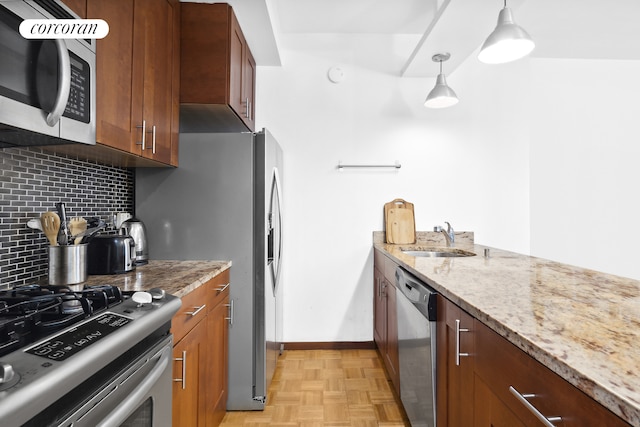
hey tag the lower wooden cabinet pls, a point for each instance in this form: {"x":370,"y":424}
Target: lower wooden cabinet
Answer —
{"x":218,"y":343}
{"x":506,"y":371}
{"x":480,"y":373}
{"x":386,"y":316}
{"x":455,"y":365}
{"x":200,"y":354}
{"x":189,"y":356}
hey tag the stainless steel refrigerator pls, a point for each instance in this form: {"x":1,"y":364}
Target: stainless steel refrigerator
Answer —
{"x":223,"y":203}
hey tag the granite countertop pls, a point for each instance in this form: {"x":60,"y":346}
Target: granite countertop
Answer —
{"x":582,"y":324}
{"x":175,"y":277}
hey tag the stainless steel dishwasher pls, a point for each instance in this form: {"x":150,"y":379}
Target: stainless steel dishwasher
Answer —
{"x":416,"y":304}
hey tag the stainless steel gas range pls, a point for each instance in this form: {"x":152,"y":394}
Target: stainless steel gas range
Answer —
{"x":89,"y":357}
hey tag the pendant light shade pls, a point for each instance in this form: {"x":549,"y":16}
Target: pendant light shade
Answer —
{"x":507,"y":42}
{"x":441,"y":96}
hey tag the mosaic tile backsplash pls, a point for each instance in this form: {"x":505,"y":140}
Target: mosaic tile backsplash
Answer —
{"x":31,"y":182}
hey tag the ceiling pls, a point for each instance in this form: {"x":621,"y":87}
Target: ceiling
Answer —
{"x":401,"y":36}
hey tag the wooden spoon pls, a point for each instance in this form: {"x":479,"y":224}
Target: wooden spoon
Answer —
{"x":51,"y":226}
{"x":76,"y":226}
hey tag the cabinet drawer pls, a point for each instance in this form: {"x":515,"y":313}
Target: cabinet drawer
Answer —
{"x":390,"y":270}
{"x":218,"y":289}
{"x":502,"y":365}
{"x":194,"y":308}
{"x":197,"y":304}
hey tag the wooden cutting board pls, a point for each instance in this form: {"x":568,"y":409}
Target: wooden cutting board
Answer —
{"x":400,"y":223}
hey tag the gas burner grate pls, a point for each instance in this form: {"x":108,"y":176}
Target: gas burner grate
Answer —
{"x":31,"y":312}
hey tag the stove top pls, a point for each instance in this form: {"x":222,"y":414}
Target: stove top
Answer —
{"x":31,"y":312}
{"x":53,"y":338}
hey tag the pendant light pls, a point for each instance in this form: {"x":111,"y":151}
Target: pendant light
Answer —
{"x":507,"y":42}
{"x":441,"y":96}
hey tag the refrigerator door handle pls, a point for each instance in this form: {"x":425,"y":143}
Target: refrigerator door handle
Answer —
{"x":274,"y":251}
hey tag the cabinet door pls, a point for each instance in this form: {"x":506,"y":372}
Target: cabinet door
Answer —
{"x":236,"y":64}
{"x":114,"y":78}
{"x":242,"y":75}
{"x":490,"y":411}
{"x":501,"y":366}
{"x":248,"y":88}
{"x":218,"y":346}
{"x":391,"y":357}
{"x":78,"y":6}
{"x":379,"y":311}
{"x":455,"y":366}
{"x":152,"y":65}
{"x":188,"y":380}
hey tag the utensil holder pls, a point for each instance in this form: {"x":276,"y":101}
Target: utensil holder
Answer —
{"x":67,"y":264}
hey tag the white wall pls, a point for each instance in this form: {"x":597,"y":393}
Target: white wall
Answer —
{"x":468,"y":165}
{"x":585,"y":163}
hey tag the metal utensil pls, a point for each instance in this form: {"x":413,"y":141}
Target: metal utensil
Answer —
{"x":63,"y":237}
{"x":51,"y":226}
{"x":77,"y":225}
{"x":86,"y":235}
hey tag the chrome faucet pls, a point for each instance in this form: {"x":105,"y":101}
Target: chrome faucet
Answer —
{"x":449,"y":235}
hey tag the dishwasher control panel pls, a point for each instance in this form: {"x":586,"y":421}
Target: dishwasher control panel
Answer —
{"x":419,"y":293}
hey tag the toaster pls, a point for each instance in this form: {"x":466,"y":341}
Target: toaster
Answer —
{"x":111,"y":254}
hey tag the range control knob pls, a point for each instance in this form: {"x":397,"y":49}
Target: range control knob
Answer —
{"x":141,"y":298}
{"x":157,"y":293}
{"x":6,"y":373}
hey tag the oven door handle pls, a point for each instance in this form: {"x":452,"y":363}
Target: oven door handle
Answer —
{"x":124,"y":409}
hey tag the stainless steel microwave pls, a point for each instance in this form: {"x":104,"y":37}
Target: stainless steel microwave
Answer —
{"x":47,"y":87}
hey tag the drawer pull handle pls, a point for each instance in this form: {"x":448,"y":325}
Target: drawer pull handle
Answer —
{"x":458,"y":330}
{"x":230,"y":318}
{"x":223,"y":288}
{"x":198,"y":310}
{"x":182,"y":359}
{"x":144,"y":131}
{"x":547,"y":421}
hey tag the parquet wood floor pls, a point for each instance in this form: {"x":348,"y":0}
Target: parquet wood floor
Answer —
{"x":326,"y":388}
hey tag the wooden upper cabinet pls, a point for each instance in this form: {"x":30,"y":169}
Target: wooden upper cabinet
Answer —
{"x":217,"y":68}
{"x":152,"y":79}
{"x":114,"y":59}
{"x":137,"y":77}
{"x":78,"y":6}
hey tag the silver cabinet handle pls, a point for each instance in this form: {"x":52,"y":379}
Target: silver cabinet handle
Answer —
{"x":547,"y":421}
{"x":223,"y":288}
{"x":250,"y":115}
{"x":144,"y":132}
{"x":246,"y":108}
{"x":230,"y":318}
{"x":64,"y":83}
{"x":198,"y":310}
{"x":182,"y":359}
{"x":458,"y":330}
{"x":153,"y":139}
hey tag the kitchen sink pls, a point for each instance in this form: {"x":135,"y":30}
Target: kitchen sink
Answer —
{"x":437,"y":252}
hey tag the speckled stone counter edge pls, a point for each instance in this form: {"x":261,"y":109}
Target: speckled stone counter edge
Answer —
{"x":175,"y":277}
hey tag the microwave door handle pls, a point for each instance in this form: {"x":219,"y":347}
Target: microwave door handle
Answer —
{"x":64,"y":83}
{"x":124,"y":409}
